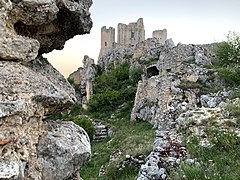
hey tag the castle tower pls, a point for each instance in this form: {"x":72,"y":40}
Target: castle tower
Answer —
{"x":131,"y":34}
{"x":161,"y":35}
{"x":107,"y":39}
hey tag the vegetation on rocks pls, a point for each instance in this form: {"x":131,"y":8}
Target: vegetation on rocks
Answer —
{"x":129,"y":138}
{"x":113,"y":98}
{"x":218,"y":157}
{"x":83,"y":122}
{"x":228,"y":64}
{"x":74,"y":114}
{"x":114,"y":88}
{"x":218,"y":161}
{"x":210,"y":135}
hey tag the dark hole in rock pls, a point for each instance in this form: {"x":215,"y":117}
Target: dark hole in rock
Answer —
{"x":4,"y":151}
{"x":24,"y":30}
{"x":152,"y":71}
{"x":15,"y":1}
{"x":168,"y":70}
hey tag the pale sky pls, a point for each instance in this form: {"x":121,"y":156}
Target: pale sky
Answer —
{"x":187,"y":21}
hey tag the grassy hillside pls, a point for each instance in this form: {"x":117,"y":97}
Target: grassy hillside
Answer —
{"x":113,"y":99}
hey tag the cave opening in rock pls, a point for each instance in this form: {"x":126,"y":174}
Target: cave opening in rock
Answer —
{"x":152,"y":71}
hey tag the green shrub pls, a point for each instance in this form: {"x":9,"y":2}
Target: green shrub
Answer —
{"x":202,"y":87}
{"x":75,"y":110}
{"x":235,"y":93}
{"x":149,"y":61}
{"x":105,"y":101}
{"x":115,"y":79}
{"x":55,"y":117}
{"x":84,"y":123}
{"x":136,"y":75}
{"x":234,"y":110}
{"x":223,"y":139}
{"x":114,"y":88}
{"x":70,"y":80}
{"x":230,"y":74}
{"x":229,"y":52}
{"x":186,"y":85}
{"x":77,"y":87}
{"x":98,"y":69}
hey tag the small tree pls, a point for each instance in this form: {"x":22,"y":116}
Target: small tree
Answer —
{"x":228,"y":52}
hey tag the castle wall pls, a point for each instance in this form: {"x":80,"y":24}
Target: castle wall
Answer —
{"x":107,"y":39}
{"x":161,"y":35}
{"x":131,"y":34}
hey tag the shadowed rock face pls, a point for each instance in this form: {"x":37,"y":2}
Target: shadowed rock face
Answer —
{"x":31,"y":89}
{"x":42,"y":25}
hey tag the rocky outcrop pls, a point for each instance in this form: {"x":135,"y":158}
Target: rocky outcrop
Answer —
{"x":84,"y":78}
{"x":182,"y":99}
{"x":26,"y":96}
{"x":176,"y":77}
{"x":62,"y":149}
{"x":169,"y":150}
{"x":102,"y":131}
{"x":117,"y":55}
{"x":169,"y":95}
{"x":167,"y":153}
{"x":30,"y":88}
{"x":143,"y":54}
{"x":32,"y":27}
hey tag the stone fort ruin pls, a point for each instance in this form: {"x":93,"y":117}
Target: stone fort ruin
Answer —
{"x":127,"y":36}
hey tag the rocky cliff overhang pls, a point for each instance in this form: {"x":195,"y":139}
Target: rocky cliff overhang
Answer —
{"x":32,"y":27}
{"x":31,"y":89}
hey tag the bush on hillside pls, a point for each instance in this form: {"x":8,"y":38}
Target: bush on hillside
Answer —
{"x":84,"y":123}
{"x":114,"y":88}
{"x":231,"y":74}
{"x":135,"y":75}
{"x":228,"y":54}
{"x":105,"y":101}
{"x":115,"y":79}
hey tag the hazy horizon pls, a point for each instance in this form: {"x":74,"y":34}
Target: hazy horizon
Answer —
{"x":187,"y":22}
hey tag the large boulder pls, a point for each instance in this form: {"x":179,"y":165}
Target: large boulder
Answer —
{"x":31,"y":89}
{"x":63,"y":149}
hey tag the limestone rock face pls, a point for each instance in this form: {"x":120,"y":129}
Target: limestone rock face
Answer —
{"x":84,"y":77}
{"x":115,"y":56}
{"x":63,"y":149}
{"x":26,"y":95}
{"x":31,"y":89}
{"x":161,"y":88}
{"x":32,"y":27}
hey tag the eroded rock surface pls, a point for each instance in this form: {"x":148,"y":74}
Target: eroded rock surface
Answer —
{"x":84,"y":77}
{"x":63,"y":149}
{"x":29,"y":28}
{"x":30,"y":88}
{"x":171,"y":80}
